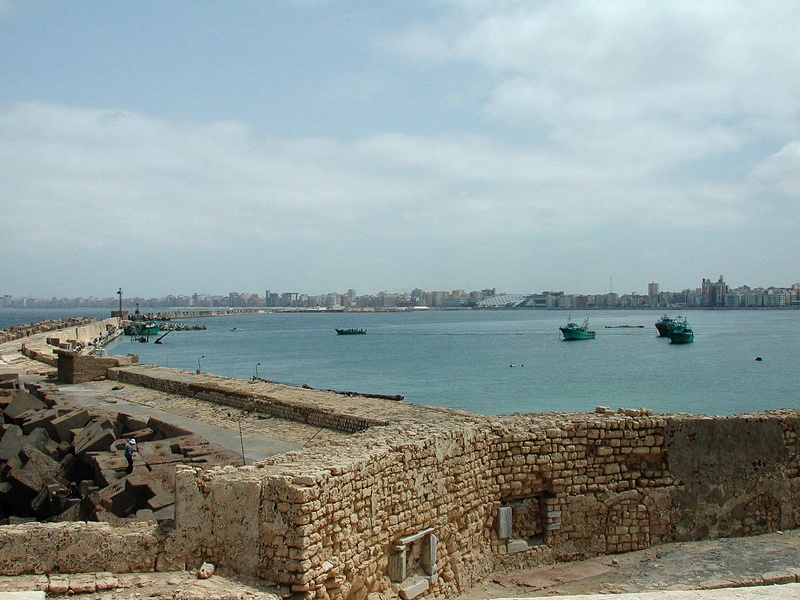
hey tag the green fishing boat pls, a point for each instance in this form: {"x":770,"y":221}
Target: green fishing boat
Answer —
{"x":571,"y":331}
{"x":142,"y":328}
{"x":680,"y":332}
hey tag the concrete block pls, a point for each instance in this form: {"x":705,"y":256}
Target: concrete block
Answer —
{"x":21,"y":403}
{"x":41,"y":419}
{"x":75,"y":419}
{"x":9,"y":381}
{"x":96,"y":437}
{"x":11,"y":443}
{"x":37,"y":470}
{"x":39,"y":439}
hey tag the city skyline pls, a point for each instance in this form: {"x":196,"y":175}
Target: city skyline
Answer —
{"x":205,"y":145}
{"x":710,"y":293}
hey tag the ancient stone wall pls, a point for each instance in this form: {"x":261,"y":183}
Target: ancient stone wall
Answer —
{"x":74,"y":367}
{"x":426,"y":512}
{"x":81,"y":548}
{"x":43,"y":348}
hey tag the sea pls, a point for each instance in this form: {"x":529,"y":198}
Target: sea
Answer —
{"x":496,"y":362}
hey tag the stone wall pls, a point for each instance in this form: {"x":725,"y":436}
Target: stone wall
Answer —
{"x":293,"y":411}
{"x":44,"y":348}
{"x":74,"y":367}
{"x":427,"y":511}
{"x":81,"y":548}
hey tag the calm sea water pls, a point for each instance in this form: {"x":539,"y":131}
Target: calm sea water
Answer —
{"x":462,"y":359}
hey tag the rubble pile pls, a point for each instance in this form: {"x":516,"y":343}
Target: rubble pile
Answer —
{"x":62,"y":462}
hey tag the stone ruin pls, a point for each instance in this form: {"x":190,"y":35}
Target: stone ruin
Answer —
{"x":60,"y":462}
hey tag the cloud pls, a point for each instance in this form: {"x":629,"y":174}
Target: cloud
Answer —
{"x":625,"y":124}
{"x":586,"y":63}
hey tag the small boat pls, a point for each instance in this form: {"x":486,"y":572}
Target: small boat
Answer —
{"x":663,"y":325}
{"x":680,"y":332}
{"x":142,"y":328}
{"x":351,"y":331}
{"x":571,"y":331}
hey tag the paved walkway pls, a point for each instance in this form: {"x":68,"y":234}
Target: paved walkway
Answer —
{"x":765,"y":566}
{"x":141,"y":402}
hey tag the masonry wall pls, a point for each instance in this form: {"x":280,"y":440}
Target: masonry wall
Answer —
{"x":294,"y":411}
{"x":345,"y":524}
{"x":81,"y":548}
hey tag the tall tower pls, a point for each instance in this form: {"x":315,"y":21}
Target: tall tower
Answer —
{"x":653,"y":289}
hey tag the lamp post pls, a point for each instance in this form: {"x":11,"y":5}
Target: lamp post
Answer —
{"x":257,"y":369}
{"x":198,"y":363}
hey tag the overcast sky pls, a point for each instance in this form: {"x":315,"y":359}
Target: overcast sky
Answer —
{"x":314,"y":146}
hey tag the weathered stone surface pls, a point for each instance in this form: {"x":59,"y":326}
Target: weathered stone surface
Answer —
{"x":74,"y":419}
{"x":21,"y":403}
{"x":98,"y":436}
{"x":11,"y":443}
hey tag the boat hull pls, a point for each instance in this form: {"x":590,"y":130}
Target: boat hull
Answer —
{"x":577,"y":334}
{"x":351,"y":331}
{"x":681,"y":337}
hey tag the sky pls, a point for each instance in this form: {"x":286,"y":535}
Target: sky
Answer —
{"x":314,"y":146}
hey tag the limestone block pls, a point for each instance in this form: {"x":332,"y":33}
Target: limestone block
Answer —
{"x":414,"y":588}
{"x":515,"y":545}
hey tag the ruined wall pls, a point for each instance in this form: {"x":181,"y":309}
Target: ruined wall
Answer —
{"x":426,"y":512}
{"x":81,"y":548}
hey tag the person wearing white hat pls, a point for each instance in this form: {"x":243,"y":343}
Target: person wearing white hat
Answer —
{"x":130,"y":448}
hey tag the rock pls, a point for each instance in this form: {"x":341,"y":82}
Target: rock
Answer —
{"x":206,"y":571}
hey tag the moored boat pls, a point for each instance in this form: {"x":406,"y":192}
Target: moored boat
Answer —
{"x":142,"y":328}
{"x":680,"y":332}
{"x":663,"y":325}
{"x":351,"y":331}
{"x":571,"y":331}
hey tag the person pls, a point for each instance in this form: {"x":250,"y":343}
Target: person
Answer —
{"x":130,"y":448}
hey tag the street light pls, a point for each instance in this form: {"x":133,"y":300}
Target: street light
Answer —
{"x":198,"y":364}
{"x":257,"y":370}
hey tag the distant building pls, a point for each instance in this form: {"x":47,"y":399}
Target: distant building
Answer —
{"x":652,"y":289}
